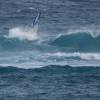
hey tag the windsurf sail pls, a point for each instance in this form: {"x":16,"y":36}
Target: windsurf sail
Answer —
{"x":35,"y":23}
{"x":36,"y":20}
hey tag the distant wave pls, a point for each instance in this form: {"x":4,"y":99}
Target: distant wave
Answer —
{"x":78,"y":42}
{"x":10,"y":69}
{"x":83,"y":56}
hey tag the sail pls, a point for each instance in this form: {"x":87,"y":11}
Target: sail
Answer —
{"x":36,"y":20}
{"x":35,"y":23}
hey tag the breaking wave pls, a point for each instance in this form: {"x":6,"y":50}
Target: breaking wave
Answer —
{"x":28,"y":38}
{"x":81,"y":41}
{"x":84,"y":56}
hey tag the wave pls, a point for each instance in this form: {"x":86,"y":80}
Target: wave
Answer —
{"x":52,"y":68}
{"x":36,"y":59}
{"x":15,"y":44}
{"x":21,"y":38}
{"x":80,"y":41}
{"x":83,"y":56}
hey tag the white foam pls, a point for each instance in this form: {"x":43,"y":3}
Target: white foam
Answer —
{"x":94,"y":31}
{"x":30,"y":59}
{"x":23,"y":33}
{"x":85,"y":56}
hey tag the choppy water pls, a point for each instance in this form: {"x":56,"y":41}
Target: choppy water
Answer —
{"x":50,"y":82}
{"x":67,"y":34}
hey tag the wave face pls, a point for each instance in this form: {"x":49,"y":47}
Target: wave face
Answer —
{"x":14,"y":44}
{"x":82,"y":42}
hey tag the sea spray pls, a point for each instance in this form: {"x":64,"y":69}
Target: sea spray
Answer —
{"x":23,"y":33}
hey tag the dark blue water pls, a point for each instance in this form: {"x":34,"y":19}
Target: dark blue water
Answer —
{"x":50,"y":82}
{"x":58,"y":58}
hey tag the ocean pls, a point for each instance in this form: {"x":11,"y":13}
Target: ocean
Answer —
{"x":49,"y":50}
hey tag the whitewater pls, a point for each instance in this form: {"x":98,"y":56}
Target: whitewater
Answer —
{"x":25,"y":48}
